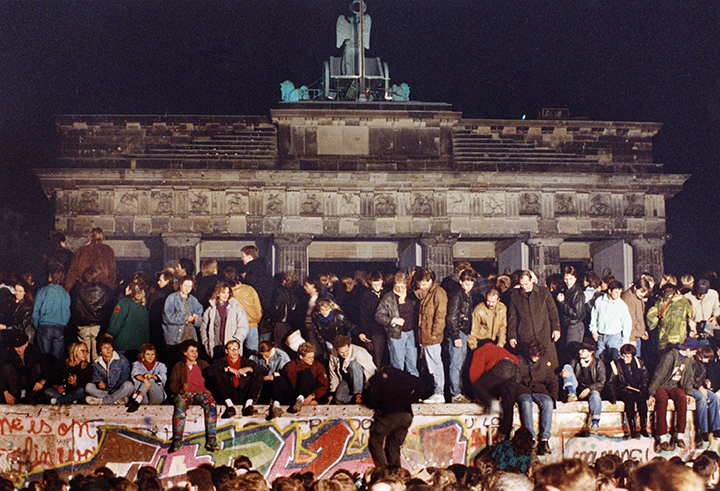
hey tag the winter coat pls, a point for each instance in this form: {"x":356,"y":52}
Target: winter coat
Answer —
{"x":670,"y":314}
{"x":250,"y":302}
{"x":625,"y":378}
{"x":92,"y":305}
{"x":534,"y":316}
{"x":368,"y":306}
{"x":236,"y":326}
{"x":175,"y":316}
{"x":286,"y":307}
{"x":674,"y":370}
{"x":432,"y":310}
{"x":293,"y":369}
{"x":458,"y":315}
{"x":387,"y":311}
{"x":597,"y":376}
{"x":21,"y":316}
{"x":392,"y":390}
{"x":204,"y":288}
{"x":256,"y":277}
{"x":129,"y":325}
{"x":139,"y":368}
{"x":636,"y":307}
{"x":538,"y":377}
{"x":52,"y":306}
{"x":178,"y":376}
{"x":488,"y":324}
{"x":113,"y":374}
{"x":325,"y":329}
{"x":275,"y":363}
{"x":572,"y":311}
{"x":339,"y":366}
{"x":95,"y":254}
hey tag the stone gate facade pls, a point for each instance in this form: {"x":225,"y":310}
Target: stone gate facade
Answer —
{"x":411,"y":183}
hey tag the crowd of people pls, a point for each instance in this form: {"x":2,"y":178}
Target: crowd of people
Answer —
{"x":239,"y":338}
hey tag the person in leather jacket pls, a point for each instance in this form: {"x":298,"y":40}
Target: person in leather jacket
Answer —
{"x":584,"y":378}
{"x":328,"y":322}
{"x":571,"y":308}
{"x":458,"y":323}
{"x":19,"y":310}
{"x":286,"y":314}
{"x":91,"y":306}
{"x":628,"y":381}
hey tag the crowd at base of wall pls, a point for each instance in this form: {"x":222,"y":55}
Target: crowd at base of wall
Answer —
{"x":321,"y":439}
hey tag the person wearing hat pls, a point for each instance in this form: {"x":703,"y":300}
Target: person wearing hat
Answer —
{"x":705,"y":307}
{"x":21,"y":371}
{"x":673,"y":379}
{"x":584,"y":379}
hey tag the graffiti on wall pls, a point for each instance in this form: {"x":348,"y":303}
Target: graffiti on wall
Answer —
{"x":277,"y":448}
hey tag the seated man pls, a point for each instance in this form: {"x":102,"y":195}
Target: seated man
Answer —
{"x":707,"y":413}
{"x":629,"y":382}
{"x":304,"y":381}
{"x":21,"y":370}
{"x":538,"y":384}
{"x":673,"y":379}
{"x":493,"y":374}
{"x":273,"y":359}
{"x":187,"y":385}
{"x":586,"y":374}
{"x":149,"y":377}
{"x":351,"y":366}
{"x":111,"y":376}
{"x":235,"y":379}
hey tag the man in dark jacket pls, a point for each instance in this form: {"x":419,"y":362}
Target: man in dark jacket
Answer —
{"x":458,"y":324}
{"x":532,"y":314}
{"x":370,"y":331}
{"x":673,"y":379}
{"x":538,"y":384}
{"x":628,"y":381}
{"x":571,"y":307}
{"x":391,"y":393}
{"x":584,"y":378}
{"x":92,"y":304}
{"x":234,"y":379}
{"x":286,"y":313}
{"x":22,"y":370}
{"x":156,"y":307}
{"x":707,"y":413}
{"x":256,"y":276}
{"x":97,"y":254}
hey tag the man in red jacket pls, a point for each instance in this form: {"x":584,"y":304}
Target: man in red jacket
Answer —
{"x":494,"y":373}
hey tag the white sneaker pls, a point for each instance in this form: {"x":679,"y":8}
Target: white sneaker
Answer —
{"x":95,"y":401}
{"x":435,"y":399}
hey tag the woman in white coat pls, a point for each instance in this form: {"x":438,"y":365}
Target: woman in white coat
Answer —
{"x":223,"y":321}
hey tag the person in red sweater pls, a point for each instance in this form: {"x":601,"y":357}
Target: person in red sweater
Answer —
{"x":494,"y":374}
{"x":304,"y":381}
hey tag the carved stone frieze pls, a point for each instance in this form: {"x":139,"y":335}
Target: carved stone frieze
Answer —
{"x":127,"y":204}
{"x":162,"y":202}
{"x":199,"y":203}
{"x":237,"y":203}
{"x":565,"y":204}
{"x":274,"y":206}
{"x":457,"y":203}
{"x":311,"y":205}
{"x":494,"y":204}
{"x":348,"y":204}
{"x":422,"y":205}
{"x":634,"y":205}
{"x":385,"y":205}
{"x":530,"y":204}
{"x":88,"y":203}
{"x":599,"y":205}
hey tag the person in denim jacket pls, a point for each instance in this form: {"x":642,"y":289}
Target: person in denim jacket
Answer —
{"x":149,"y":377}
{"x":111,"y":378}
{"x":182,"y":315}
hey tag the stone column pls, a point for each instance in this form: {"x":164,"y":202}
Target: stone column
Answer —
{"x":437,"y":253}
{"x":544,"y":257}
{"x":648,"y":256}
{"x":179,"y":245}
{"x":291,"y":254}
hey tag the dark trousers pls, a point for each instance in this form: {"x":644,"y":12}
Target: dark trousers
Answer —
{"x":387,"y":434}
{"x":15,"y":380}
{"x":661,"y":403}
{"x":631,"y":399}
{"x":500,"y":381}
{"x":222,"y":387}
{"x":284,"y":393}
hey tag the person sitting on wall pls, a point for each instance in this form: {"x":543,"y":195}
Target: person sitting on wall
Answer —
{"x":707,"y":412}
{"x":235,"y":379}
{"x":187,"y":385}
{"x":304,"y":380}
{"x":538,"y":384}
{"x":673,"y":379}
{"x":628,"y":381}
{"x":22,"y":369}
{"x":351,"y":366}
{"x":273,"y":359}
{"x":111,"y":376}
{"x":71,"y":375}
{"x":149,"y":377}
{"x":584,"y":379}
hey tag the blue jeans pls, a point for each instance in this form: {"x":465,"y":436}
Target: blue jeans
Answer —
{"x":345,"y":394}
{"x":611,"y":343}
{"x":109,"y":397}
{"x":706,"y":410}
{"x":433,"y":358}
{"x":51,"y":339}
{"x":545,"y":404}
{"x":403,"y":352}
{"x":252,"y":340}
{"x":638,"y":348}
{"x":155,"y":395}
{"x":457,"y":359}
{"x":593,"y":399}
{"x":70,"y":396}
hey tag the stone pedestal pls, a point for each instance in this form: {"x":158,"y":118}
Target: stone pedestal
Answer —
{"x":179,"y":245}
{"x":544,"y":257}
{"x":291,"y":254}
{"x":437,"y":252}
{"x":648,"y":256}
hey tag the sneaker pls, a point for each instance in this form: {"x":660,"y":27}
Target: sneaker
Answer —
{"x":249,"y":410}
{"x":295,"y":408}
{"x":572,"y":398}
{"x":175,"y":446}
{"x":53,"y":400}
{"x":594,"y":428}
{"x":229,"y":413}
{"x":94,"y":401}
{"x":543,"y":447}
{"x":133,"y":406}
{"x":123,"y":401}
{"x":460,"y":399}
{"x":679,"y":442}
{"x":435,"y":399}
{"x":274,"y":412}
{"x":211,"y":445}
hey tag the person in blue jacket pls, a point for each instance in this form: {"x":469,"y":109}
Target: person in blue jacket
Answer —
{"x":181,"y":316}
{"x":111,"y":376}
{"x":51,"y":314}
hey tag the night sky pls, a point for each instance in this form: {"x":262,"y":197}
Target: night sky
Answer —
{"x":606,"y":60}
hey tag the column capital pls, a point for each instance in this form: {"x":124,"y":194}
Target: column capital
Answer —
{"x":181,"y":239}
{"x":431,"y":240}
{"x":288,"y":240}
{"x":648,"y":241}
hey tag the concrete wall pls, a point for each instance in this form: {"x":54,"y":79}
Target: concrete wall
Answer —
{"x":323,"y":439}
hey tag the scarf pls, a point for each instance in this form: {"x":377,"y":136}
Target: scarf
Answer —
{"x":149,"y":366}
{"x":236,"y":366}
